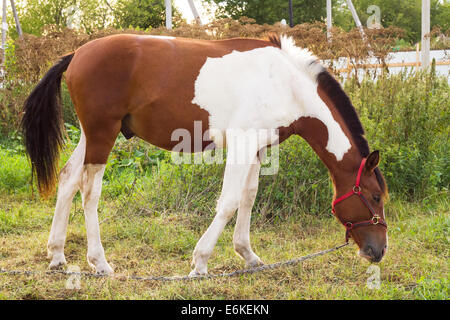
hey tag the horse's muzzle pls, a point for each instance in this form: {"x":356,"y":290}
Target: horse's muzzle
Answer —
{"x":373,"y":253}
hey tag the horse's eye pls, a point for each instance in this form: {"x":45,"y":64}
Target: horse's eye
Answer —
{"x":376,"y":197}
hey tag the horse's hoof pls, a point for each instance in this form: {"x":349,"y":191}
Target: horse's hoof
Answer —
{"x":254,"y":264}
{"x":104,"y":269}
{"x":57,"y":264}
{"x":195,"y":273}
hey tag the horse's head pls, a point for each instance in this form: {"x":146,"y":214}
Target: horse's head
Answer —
{"x":359,"y":206}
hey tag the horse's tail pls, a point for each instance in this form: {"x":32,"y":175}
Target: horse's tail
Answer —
{"x":42,"y":126}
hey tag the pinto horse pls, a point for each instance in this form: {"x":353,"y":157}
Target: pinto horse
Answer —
{"x":150,"y":86}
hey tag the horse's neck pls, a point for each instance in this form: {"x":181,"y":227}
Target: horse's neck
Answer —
{"x":316,"y":135}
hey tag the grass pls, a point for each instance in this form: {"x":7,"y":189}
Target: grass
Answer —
{"x":416,"y":265}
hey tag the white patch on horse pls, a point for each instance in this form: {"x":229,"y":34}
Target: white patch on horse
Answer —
{"x":91,"y":187}
{"x":265,"y":88}
{"x":233,"y":190}
{"x":160,"y":37}
{"x":69,"y":183}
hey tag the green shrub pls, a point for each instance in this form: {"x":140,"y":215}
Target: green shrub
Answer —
{"x":406,"y":117}
{"x":14,"y":171}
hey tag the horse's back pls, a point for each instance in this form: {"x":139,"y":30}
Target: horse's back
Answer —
{"x":146,"y":80}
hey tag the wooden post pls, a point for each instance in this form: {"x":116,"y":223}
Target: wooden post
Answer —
{"x":168,"y":14}
{"x":425,"y":33}
{"x":195,"y":12}
{"x":16,"y":18}
{"x":291,"y":14}
{"x":329,"y":21}
{"x":417,"y":56}
{"x":4,"y":30}
{"x":349,"y":67}
{"x":356,"y":18}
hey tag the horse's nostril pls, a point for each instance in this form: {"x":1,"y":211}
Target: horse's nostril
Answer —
{"x":371,"y":253}
{"x":375,"y":256}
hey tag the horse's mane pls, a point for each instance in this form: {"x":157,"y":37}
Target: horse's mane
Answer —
{"x":334,"y":90}
{"x":345,"y":108}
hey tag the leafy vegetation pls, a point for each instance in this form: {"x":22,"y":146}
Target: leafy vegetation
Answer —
{"x":37,"y":15}
{"x":404,"y":14}
{"x":40,"y":16}
{"x":400,"y":13}
{"x":142,"y":14}
{"x":269,"y":12}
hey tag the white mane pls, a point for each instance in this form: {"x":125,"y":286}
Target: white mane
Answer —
{"x":304,"y":59}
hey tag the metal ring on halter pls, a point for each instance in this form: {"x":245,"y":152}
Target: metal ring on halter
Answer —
{"x":349,"y":225}
{"x":376,"y":219}
{"x":356,"y":189}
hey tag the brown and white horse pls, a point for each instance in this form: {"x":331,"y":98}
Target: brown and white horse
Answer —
{"x":150,"y":86}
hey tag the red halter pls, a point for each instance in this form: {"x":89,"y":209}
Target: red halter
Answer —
{"x":375,"y":220}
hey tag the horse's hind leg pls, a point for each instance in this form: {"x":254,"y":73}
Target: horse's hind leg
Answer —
{"x":100,"y":138}
{"x":69,"y":183}
{"x":90,"y":191}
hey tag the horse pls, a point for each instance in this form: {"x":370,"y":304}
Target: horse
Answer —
{"x":150,"y":86}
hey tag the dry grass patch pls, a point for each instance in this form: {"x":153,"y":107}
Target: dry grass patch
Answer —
{"x":416,"y":266}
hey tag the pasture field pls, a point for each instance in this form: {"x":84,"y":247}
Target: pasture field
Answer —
{"x":416,"y":265}
{"x":152,"y":213}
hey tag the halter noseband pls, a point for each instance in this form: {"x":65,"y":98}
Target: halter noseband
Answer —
{"x":375,"y":220}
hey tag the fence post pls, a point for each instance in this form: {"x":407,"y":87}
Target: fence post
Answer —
{"x":168,"y":14}
{"x":417,"y":56}
{"x":195,"y":12}
{"x":291,"y":14}
{"x":16,"y":19}
{"x":329,"y":20}
{"x":4,"y":29}
{"x":425,"y":33}
{"x":356,"y":18}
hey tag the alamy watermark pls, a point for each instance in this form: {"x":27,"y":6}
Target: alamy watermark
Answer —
{"x":374,"y":281}
{"x":74,"y":280}
{"x":244,"y":146}
{"x":374,"y":21}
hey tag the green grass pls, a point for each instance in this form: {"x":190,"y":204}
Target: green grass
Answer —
{"x":416,"y":265}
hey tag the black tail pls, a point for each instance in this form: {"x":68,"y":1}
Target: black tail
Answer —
{"x":42,"y":126}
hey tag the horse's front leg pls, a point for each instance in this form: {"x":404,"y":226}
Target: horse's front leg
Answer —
{"x":234,"y":182}
{"x":241,"y":238}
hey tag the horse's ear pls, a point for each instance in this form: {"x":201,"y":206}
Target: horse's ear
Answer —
{"x":372,"y":161}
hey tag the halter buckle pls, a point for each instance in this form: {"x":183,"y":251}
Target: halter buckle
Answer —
{"x":356,"y":189}
{"x":376,"y":219}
